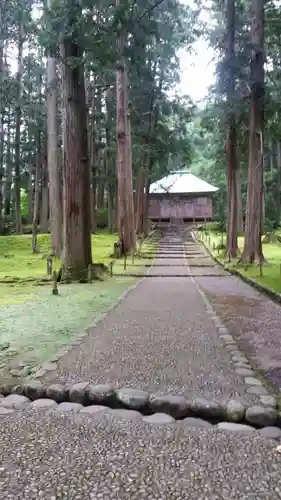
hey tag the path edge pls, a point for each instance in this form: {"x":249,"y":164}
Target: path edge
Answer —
{"x":264,"y":290}
{"x":63,"y":350}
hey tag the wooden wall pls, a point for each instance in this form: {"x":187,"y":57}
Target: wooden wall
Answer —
{"x":170,"y":206}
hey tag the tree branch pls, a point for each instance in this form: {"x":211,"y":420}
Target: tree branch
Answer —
{"x":150,"y":9}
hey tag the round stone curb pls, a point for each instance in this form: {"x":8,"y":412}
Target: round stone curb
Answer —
{"x":51,"y":365}
{"x":128,"y":403}
{"x":17,"y":403}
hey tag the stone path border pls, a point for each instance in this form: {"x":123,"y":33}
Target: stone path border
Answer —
{"x":87,"y":395}
{"x":51,"y":364}
{"x":261,"y":423}
{"x":269,"y":292}
{"x":241,"y":364}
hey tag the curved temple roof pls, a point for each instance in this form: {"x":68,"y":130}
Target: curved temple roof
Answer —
{"x":181,"y":182}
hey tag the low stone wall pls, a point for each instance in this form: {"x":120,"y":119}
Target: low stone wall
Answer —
{"x":152,"y":408}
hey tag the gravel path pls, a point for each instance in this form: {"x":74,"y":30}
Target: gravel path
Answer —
{"x":159,"y":338}
{"x":251,"y":317}
{"x":50,"y":456}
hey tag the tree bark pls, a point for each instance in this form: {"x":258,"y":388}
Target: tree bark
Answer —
{"x":44,"y":209}
{"x":36,"y":195}
{"x":17,"y":179}
{"x":77,"y":254}
{"x":232,"y":222}
{"x":1,"y":164}
{"x":30,"y":192}
{"x":145,"y":214}
{"x":140,"y":199}
{"x":9,"y":171}
{"x":255,"y":192}
{"x":240,"y":221}
{"x":99,"y":161}
{"x":93,"y":154}
{"x":2,"y":108}
{"x":52,"y":156}
{"x":123,"y":155}
{"x":278,"y":184}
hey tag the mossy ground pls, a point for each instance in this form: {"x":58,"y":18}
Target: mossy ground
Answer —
{"x":271,"y":271}
{"x":34,"y":324}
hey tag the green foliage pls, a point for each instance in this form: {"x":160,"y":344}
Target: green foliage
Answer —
{"x":24,"y":203}
{"x":271,"y":277}
{"x":101,"y":218}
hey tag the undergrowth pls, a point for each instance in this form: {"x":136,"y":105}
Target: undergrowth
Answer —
{"x":271,"y":271}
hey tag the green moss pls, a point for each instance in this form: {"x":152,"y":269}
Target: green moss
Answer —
{"x":18,"y":262}
{"x":271,"y":271}
{"x":36,"y":323}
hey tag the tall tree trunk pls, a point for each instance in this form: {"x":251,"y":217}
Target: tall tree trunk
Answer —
{"x":140,"y":199}
{"x":123,"y":164}
{"x":110,"y":208}
{"x":1,"y":165}
{"x":278,"y":178}
{"x":145,"y":211}
{"x":99,"y":161}
{"x":129,"y":161}
{"x":52,"y":156}
{"x":93,"y":155}
{"x":44,"y":209}
{"x":77,"y":253}
{"x":9,"y":171}
{"x":17,"y":179}
{"x":2,"y":109}
{"x":109,"y":168}
{"x":240,"y":223}
{"x":255,"y":193}
{"x":30,"y":193}
{"x":36,"y":194}
{"x":232,"y":226}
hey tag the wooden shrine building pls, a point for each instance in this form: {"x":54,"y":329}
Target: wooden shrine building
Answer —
{"x":181,"y":195}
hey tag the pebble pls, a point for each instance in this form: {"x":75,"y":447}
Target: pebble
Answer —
{"x":244,"y":371}
{"x":126,"y":414}
{"x":252,"y":381}
{"x":228,"y":339}
{"x":177,"y":406}
{"x":271,"y":432}
{"x":233,"y":427}
{"x":204,"y":408}
{"x":101,"y":394}
{"x":43,"y":403}
{"x":261,"y":416}
{"x":69,"y":407}
{"x":268,"y":401}
{"x":5,"y":411}
{"x":91,"y":410}
{"x":40,"y":373}
{"x":34,"y":389}
{"x":133,"y":398}
{"x":47,"y":366}
{"x":257,"y":389}
{"x":78,"y":392}
{"x":196,"y":422}
{"x":57,"y":392}
{"x":235,"y":411}
{"x":15,"y":401}
{"x":159,"y":419}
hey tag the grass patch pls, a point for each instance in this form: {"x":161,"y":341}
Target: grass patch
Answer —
{"x":271,"y":277}
{"x":34,"y":324}
{"x":17,"y":261}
